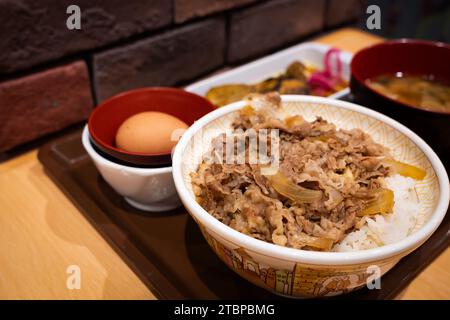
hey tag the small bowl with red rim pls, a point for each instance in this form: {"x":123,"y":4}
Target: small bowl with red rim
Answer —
{"x":107,"y":117}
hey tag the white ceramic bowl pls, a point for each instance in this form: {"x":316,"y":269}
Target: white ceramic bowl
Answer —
{"x":149,"y":189}
{"x":300,"y":273}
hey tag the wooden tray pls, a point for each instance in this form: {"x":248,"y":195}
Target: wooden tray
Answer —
{"x":167,"y":250}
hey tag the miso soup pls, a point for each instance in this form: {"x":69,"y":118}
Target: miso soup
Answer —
{"x":420,"y":91}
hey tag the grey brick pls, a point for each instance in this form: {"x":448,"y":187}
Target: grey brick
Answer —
{"x":162,"y":60}
{"x":188,"y":9}
{"x":340,"y":11}
{"x":270,"y":25}
{"x":33,"y":32}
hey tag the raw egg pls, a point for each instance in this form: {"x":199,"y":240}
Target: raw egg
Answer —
{"x":149,"y":132}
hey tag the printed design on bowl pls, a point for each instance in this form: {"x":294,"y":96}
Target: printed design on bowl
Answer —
{"x":301,"y":280}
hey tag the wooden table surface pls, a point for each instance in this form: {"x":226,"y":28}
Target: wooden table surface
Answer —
{"x":42,"y":234}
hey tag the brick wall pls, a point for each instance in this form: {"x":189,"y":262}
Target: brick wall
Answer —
{"x":51,"y":77}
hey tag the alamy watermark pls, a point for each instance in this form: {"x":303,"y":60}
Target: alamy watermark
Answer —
{"x":73,"y":281}
{"x":373,"y":281}
{"x":237,"y":146}
{"x":73,"y":22}
{"x":373,"y":21}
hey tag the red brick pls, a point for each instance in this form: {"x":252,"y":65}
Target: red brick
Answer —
{"x":188,"y":9}
{"x":259,"y":29}
{"x":33,"y":31}
{"x":163,"y":60}
{"x":340,"y":11}
{"x":41,"y":103}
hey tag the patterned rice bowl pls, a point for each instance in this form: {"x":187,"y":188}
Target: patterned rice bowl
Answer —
{"x":300,"y":273}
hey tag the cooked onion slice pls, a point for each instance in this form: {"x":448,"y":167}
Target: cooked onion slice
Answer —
{"x":294,"y":121}
{"x":405,"y":169}
{"x":290,"y":190}
{"x":315,"y":242}
{"x":247,"y":111}
{"x":322,"y":138}
{"x":384,"y":203}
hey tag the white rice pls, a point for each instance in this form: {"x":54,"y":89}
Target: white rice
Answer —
{"x":381,"y":230}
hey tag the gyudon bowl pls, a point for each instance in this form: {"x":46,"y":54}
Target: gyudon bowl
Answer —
{"x":304,"y":273}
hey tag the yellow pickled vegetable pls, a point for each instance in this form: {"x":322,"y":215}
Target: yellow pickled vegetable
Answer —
{"x":384,"y":203}
{"x":228,"y":93}
{"x":267,"y":85}
{"x":406,"y":170}
{"x":292,"y":191}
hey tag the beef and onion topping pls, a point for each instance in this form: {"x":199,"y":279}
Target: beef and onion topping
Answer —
{"x":329,"y":182}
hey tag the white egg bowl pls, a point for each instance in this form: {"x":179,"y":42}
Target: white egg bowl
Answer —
{"x":300,"y":273}
{"x":149,"y":189}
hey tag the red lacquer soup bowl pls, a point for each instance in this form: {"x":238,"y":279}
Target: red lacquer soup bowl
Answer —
{"x":107,"y":117}
{"x":407,"y":56}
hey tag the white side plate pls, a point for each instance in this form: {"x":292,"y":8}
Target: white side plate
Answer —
{"x":261,"y":69}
